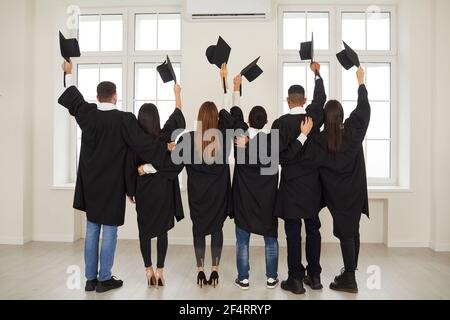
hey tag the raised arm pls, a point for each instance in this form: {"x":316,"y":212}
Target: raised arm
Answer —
{"x":233,"y":119}
{"x":176,"y":120}
{"x":226,"y":101}
{"x":315,"y":109}
{"x":177,"y":92}
{"x":236,"y":90}
{"x":360,"y":117}
{"x":73,"y":101}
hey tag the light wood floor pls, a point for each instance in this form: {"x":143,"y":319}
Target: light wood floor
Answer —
{"x":38,"y":271}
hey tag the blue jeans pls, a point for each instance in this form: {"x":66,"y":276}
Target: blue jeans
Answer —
{"x":91,"y":252}
{"x":242,"y":255}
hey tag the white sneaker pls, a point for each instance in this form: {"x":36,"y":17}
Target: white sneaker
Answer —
{"x":272,"y":283}
{"x":244,"y":284}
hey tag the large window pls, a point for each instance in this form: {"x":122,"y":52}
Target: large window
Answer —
{"x":145,"y":76}
{"x":371,"y":35}
{"x":101,"y":33}
{"x":109,"y":53}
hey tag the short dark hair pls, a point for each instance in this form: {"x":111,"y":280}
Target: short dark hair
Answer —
{"x":296,"y":92}
{"x":257,"y":117}
{"x":105,"y":91}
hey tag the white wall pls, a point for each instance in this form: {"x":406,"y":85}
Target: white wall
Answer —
{"x":440,"y":146}
{"x":414,"y":217}
{"x":15,"y":122}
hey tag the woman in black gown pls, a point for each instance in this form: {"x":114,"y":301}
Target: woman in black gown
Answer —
{"x":156,"y":191}
{"x":339,"y":152}
{"x":208,"y":185}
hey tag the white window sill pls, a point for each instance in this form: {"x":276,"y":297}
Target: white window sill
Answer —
{"x":64,"y":186}
{"x":388,"y":189}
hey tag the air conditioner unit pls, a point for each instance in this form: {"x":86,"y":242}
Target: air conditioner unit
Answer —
{"x":228,"y":9}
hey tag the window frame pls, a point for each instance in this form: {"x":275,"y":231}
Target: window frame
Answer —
{"x":127,"y":57}
{"x":366,"y":56}
{"x":153,"y":10}
{"x":107,"y":11}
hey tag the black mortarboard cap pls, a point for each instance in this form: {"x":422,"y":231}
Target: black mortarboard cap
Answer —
{"x":219,"y":53}
{"x":348,"y":57}
{"x":307,"y":49}
{"x":69,"y":49}
{"x":251,"y":72}
{"x":166,"y":72}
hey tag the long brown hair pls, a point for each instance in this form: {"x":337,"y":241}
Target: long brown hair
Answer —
{"x":334,"y":117}
{"x":208,"y":115}
{"x":148,"y":119}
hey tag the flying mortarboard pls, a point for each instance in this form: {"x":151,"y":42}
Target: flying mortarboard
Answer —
{"x":166,"y":71}
{"x":251,"y":72}
{"x":69,"y":49}
{"x":219,"y":54}
{"x":348,"y":57}
{"x":307,"y":50}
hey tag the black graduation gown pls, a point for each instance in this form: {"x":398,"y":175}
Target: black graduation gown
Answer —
{"x":209,"y":185}
{"x":343,"y":175}
{"x":300,"y":193}
{"x":158,"y":196}
{"x":254,"y":195}
{"x":106,"y":137}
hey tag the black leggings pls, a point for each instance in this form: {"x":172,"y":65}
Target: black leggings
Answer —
{"x":161,"y":247}
{"x":350,"y":252}
{"x":216,"y":248}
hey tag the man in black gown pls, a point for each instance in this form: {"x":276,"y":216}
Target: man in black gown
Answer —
{"x":100,"y":187}
{"x":300,"y":194}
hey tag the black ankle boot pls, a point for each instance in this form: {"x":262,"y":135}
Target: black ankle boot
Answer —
{"x":293,"y":285}
{"x":313,"y":281}
{"x":345,"y":282}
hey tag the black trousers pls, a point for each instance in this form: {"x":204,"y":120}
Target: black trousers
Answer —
{"x":293,"y":229}
{"x":350,"y":252}
{"x":216,"y":248}
{"x":161,"y":248}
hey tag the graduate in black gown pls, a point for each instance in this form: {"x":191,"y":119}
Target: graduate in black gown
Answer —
{"x":205,"y":153}
{"x":300,"y":194}
{"x":338,"y":151}
{"x":100,"y":190}
{"x":254,"y":194}
{"x":156,"y":192}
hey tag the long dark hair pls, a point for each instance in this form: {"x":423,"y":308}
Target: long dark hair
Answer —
{"x":334,"y":128}
{"x":208,"y":115}
{"x":148,"y":119}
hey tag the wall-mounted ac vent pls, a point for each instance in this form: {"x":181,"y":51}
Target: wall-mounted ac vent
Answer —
{"x":228,"y":9}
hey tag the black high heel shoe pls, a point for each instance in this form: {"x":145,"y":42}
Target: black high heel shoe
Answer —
{"x":214,"y":279}
{"x":201,"y":279}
